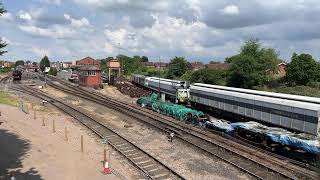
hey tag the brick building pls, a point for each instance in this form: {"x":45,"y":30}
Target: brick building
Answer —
{"x":162,"y":65}
{"x":280,"y":72}
{"x":197,"y":65}
{"x":148,"y":64}
{"x":114,"y":69}
{"x":90,"y":76}
{"x":88,"y":61}
{"x":6,"y":64}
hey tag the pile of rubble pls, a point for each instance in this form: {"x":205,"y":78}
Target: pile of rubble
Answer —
{"x":132,"y":90}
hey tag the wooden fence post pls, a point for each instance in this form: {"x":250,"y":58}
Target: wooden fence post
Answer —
{"x":43,"y":124}
{"x":81,"y":143}
{"x":66,"y":133}
{"x":53,"y":126}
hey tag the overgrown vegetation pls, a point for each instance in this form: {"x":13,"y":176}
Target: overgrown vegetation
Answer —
{"x":4,"y":70}
{"x":177,"y":67}
{"x":6,"y":98}
{"x":297,"y":90}
{"x":53,"y":71}
{"x":249,"y":67}
{"x":44,"y":63}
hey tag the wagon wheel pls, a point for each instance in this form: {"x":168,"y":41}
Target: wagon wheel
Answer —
{"x":188,"y":118}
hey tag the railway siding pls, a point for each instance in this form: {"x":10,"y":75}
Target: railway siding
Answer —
{"x":272,"y":166}
{"x":149,"y":165}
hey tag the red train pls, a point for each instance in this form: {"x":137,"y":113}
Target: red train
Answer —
{"x":16,"y":75}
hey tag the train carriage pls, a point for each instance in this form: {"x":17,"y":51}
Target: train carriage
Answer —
{"x":291,"y":114}
{"x":139,"y":79}
{"x":175,"y":89}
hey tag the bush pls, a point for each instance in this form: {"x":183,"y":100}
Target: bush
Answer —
{"x":53,"y":71}
{"x":303,"y":69}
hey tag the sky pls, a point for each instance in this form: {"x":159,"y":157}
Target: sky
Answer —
{"x":203,"y":30}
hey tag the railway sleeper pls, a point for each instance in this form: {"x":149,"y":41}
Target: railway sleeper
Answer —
{"x":152,"y":167}
{"x":136,"y":155}
{"x":145,"y":163}
{"x":159,"y":174}
{"x":141,"y":159}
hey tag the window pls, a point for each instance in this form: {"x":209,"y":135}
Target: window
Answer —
{"x":91,"y":73}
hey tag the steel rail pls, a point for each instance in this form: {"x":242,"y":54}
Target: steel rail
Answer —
{"x":284,"y":171}
{"x":150,"y":166}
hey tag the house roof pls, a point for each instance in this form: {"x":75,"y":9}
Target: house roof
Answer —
{"x":148,"y":63}
{"x":221,"y":66}
{"x":197,"y":64}
{"x":156,"y":64}
{"x":82,"y":61}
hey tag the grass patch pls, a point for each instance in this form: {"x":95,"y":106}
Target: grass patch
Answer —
{"x":296,"y":90}
{"x":9,"y":99}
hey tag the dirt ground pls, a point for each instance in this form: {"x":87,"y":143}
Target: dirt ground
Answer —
{"x":34,"y":151}
{"x":112,"y":91}
{"x":185,"y":159}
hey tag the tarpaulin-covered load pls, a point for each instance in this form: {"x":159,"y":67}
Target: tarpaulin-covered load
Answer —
{"x":282,"y":136}
{"x":178,"y":112}
{"x":220,"y":125}
{"x":147,"y":101}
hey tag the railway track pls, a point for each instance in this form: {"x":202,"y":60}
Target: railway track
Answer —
{"x":248,"y":159}
{"x":4,"y":80}
{"x":151,"y":167}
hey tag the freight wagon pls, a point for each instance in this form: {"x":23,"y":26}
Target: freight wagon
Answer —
{"x":292,"y":114}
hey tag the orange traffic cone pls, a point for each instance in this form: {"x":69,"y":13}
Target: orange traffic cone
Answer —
{"x":106,"y":169}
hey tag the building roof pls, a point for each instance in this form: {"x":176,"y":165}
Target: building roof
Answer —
{"x":85,"y":61}
{"x":156,"y":64}
{"x":148,"y":64}
{"x":89,"y":67}
{"x":220,"y":66}
{"x":196,"y":65}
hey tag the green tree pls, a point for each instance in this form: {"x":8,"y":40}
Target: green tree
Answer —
{"x":177,"y":67}
{"x":230,"y":59}
{"x":145,"y":59}
{"x":53,"y":71}
{"x":249,"y":68}
{"x":243,"y":73}
{"x":20,"y":62}
{"x":44,"y":63}
{"x":303,"y":69}
{"x":208,"y":76}
{"x":2,"y":43}
{"x":130,"y":65}
{"x":214,"y":62}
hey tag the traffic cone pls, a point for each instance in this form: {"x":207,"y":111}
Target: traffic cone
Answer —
{"x":106,"y":169}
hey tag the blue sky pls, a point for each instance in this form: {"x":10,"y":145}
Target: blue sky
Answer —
{"x":196,"y":29}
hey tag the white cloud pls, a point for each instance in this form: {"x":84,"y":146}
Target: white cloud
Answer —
{"x":108,"y":48}
{"x":168,"y":35}
{"x":77,"y":22}
{"x":24,"y":15}
{"x":56,"y":2}
{"x":230,"y":10}
{"x":40,"y":52}
{"x":55,"y":31}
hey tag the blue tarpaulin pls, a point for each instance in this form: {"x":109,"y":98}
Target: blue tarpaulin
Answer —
{"x":279,"y":135}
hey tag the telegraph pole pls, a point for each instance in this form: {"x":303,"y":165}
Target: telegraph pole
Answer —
{"x":159,"y":78}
